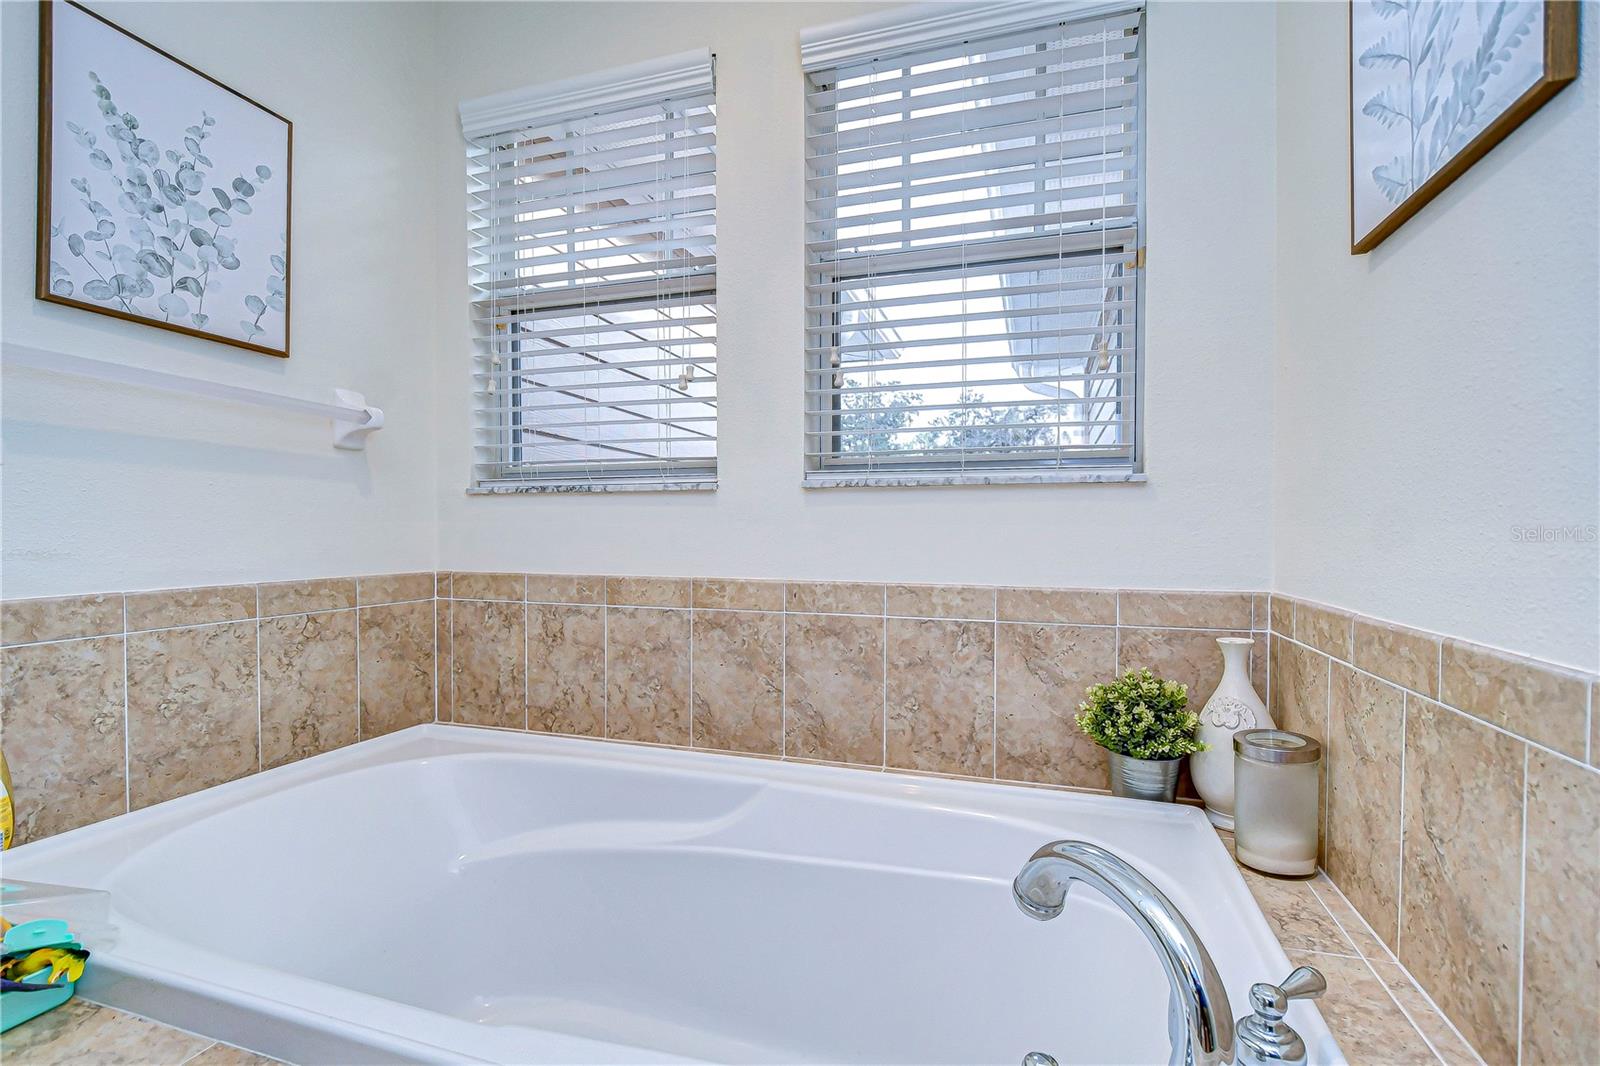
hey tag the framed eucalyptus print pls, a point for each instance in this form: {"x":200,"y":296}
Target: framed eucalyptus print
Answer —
{"x":1434,"y":84}
{"x":163,"y":193}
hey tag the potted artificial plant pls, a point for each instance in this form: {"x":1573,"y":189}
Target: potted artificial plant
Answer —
{"x":1146,"y":725}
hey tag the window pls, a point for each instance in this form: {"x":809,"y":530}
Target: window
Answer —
{"x":973,"y":255}
{"x":592,"y":233}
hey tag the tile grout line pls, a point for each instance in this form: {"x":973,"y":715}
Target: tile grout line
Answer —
{"x":359,"y":730}
{"x":1373,"y":970}
{"x":1400,"y":866}
{"x":1453,"y":709}
{"x":783,"y":708}
{"x":1522,"y":901}
{"x":127,"y":719}
{"x":260,"y":744}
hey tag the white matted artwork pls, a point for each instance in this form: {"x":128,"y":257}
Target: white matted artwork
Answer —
{"x":163,"y":194}
{"x":1434,"y":84}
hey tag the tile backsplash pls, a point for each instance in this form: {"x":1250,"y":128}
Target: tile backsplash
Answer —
{"x":972,"y":681}
{"x":109,"y":703}
{"x":1462,"y":784}
{"x":1461,"y":818}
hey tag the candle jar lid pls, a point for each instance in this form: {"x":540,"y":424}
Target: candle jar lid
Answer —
{"x":1276,"y":746}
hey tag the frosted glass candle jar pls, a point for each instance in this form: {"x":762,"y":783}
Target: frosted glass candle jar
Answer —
{"x":1277,"y":797}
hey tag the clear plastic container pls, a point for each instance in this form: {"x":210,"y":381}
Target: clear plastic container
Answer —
{"x":1277,"y":800}
{"x":87,"y":911}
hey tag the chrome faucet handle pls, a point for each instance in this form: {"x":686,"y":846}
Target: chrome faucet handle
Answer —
{"x":1264,"y":1037}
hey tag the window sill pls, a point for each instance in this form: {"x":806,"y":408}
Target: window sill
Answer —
{"x":581,"y":487}
{"x":858,"y":480}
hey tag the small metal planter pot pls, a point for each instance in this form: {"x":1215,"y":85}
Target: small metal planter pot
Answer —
{"x":1146,"y":779}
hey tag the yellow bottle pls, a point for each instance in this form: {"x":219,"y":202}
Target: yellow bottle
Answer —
{"x":7,"y":825}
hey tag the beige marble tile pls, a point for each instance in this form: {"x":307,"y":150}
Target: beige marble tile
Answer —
{"x":1532,"y":699}
{"x":834,"y":597}
{"x":192,"y":710}
{"x":62,"y":724}
{"x":1594,"y":723}
{"x":1561,"y":928}
{"x":1280,"y":615}
{"x":1324,"y":628}
{"x":444,"y":686}
{"x":647,"y":674}
{"x":60,"y":618}
{"x":474,"y":586}
{"x":734,"y":594}
{"x":1299,"y":703}
{"x":1356,"y":928}
{"x":228,"y":1055}
{"x":1042,"y":673}
{"x":1408,"y":657}
{"x":166,"y":608}
{"x":835,"y":692}
{"x":308,"y":685}
{"x":1296,"y":914}
{"x":1362,"y":763}
{"x":303,"y":597}
{"x":1299,"y":689}
{"x":648,"y":591}
{"x":80,"y":1033}
{"x":1096,"y":607}
{"x":567,"y":669}
{"x":1191,"y":657}
{"x":486,"y":663}
{"x":442,"y":583}
{"x":397,"y":666}
{"x":1190,"y":610}
{"x":566,"y":588}
{"x":738,"y":680}
{"x":940,"y":696}
{"x":1462,"y":869}
{"x":394,"y":588}
{"x":1369,"y":1026}
{"x":1449,"y":1045}
{"x":941,"y":601}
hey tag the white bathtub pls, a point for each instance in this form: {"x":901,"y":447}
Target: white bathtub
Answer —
{"x":448,"y":894}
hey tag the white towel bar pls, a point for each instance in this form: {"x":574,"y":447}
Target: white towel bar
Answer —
{"x":352,"y":417}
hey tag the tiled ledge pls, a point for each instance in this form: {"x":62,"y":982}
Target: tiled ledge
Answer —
{"x":1377,"y":1012}
{"x":82,"y":1032}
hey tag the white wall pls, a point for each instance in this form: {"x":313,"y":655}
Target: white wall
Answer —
{"x":1436,"y":394}
{"x":1201,"y":521}
{"x":109,"y":488}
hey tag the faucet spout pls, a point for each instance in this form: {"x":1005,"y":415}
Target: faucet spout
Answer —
{"x":1199,"y":1020}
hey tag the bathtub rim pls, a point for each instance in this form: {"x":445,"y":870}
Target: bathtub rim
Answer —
{"x":182,"y":998}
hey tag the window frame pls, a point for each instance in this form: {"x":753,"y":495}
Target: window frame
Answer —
{"x":838,"y":468}
{"x":505,"y":373}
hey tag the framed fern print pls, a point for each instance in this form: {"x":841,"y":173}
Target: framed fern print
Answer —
{"x":1434,"y":84}
{"x":163,"y":193}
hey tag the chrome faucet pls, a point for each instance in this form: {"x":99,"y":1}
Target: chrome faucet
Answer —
{"x":1199,"y":1020}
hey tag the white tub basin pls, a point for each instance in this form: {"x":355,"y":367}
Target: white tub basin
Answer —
{"x":448,"y":894}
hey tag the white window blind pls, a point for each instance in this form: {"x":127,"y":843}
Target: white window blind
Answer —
{"x":973,"y":254}
{"x":592,"y":233}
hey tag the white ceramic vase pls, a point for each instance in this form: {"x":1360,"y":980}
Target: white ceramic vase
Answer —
{"x":1232,"y":707}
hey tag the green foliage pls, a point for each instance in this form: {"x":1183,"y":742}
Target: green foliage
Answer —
{"x":1141,"y":716}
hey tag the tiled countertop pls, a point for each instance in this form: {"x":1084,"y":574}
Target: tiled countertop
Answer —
{"x":1376,"y":1012}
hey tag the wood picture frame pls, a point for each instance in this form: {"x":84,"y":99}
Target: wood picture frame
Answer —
{"x":1500,"y":58}
{"x":132,"y":227}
